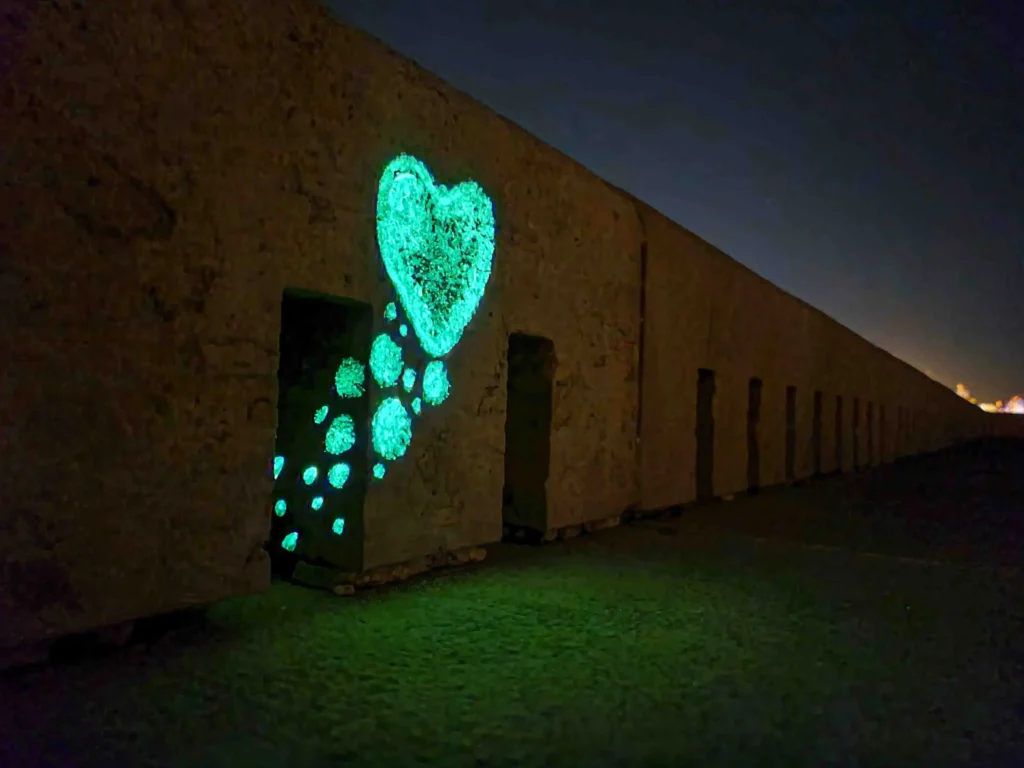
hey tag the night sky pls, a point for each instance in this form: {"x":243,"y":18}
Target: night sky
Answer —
{"x":866,"y":157}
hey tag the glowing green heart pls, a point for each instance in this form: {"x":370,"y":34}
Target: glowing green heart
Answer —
{"x":437,"y":244}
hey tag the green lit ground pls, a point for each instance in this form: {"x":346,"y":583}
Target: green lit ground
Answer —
{"x":778,"y":630}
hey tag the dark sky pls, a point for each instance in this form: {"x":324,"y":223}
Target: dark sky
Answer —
{"x":866,"y":156}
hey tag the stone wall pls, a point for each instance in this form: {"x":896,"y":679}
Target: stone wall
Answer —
{"x":171,"y":167}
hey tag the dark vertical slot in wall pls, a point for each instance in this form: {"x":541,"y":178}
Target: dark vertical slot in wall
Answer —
{"x":705,"y":467}
{"x":881,"y":433}
{"x":856,"y":433}
{"x":900,"y":430}
{"x":816,"y":432}
{"x":753,"y":435}
{"x":871,"y":432}
{"x":318,"y":333}
{"x":839,"y":433}
{"x":790,"y":433}
{"x":640,"y":341}
{"x":531,"y":374}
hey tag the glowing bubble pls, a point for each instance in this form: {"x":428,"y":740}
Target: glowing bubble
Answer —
{"x":341,"y":435}
{"x":390,"y":311}
{"x":385,"y":360}
{"x":318,"y":501}
{"x":379,"y":470}
{"x":278,"y":466}
{"x":280,"y":507}
{"x":337,"y":475}
{"x":391,"y":429}
{"x":437,"y":244}
{"x":320,"y":415}
{"x":409,"y":379}
{"x":403,"y":330}
{"x":309,"y":474}
{"x":435,"y":383}
{"x":417,"y":406}
{"x":349,"y":378}
{"x":288,"y":542}
{"x":339,"y":525}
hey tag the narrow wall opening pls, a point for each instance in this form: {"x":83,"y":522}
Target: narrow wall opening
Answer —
{"x":320,"y":464}
{"x":753,"y":435}
{"x":856,"y":433}
{"x":871,"y":432}
{"x":816,"y":432}
{"x":790,"y":434}
{"x":839,"y":433}
{"x":705,"y":469}
{"x":531,"y":374}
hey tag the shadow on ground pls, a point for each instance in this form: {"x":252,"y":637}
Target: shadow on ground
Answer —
{"x":872,"y":619}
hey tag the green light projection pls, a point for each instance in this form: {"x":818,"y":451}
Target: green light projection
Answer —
{"x":278,"y":466}
{"x":288,"y":542}
{"x":349,"y":378}
{"x":408,"y":379}
{"x":320,"y":415}
{"x":280,"y":507}
{"x":391,"y":429}
{"x":379,"y":470}
{"x":385,"y":360}
{"x":417,"y":405}
{"x":337,"y":475}
{"x":317,"y":503}
{"x":390,"y":311}
{"x":403,"y":330}
{"x":341,"y":435}
{"x":309,"y":475}
{"x":338,"y":526}
{"x":437,"y":244}
{"x":435,"y":383}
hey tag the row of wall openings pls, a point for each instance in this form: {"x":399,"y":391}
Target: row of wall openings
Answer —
{"x":705,"y":433}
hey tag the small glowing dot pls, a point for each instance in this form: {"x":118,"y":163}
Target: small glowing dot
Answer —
{"x":349,"y":378}
{"x":378,"y":470}
{"x":385,"y":360}
{"x":337,"y":475}
{"x":339,"y":525}
{"x":403,"y":329}
{"x":417,"y":406}
{"x":390,"y":311}
{"x":391,"y":429}
{"x":341,"y":435}
{"x":289,"y":541}
{"x":320,"y":415}
{"x":435,"y":383}
{"x":309,"y":475}
{"x":409,"y":379}
{"x":280,"y":507}
{"x":318,"y":501}
{"x":278,"y":466}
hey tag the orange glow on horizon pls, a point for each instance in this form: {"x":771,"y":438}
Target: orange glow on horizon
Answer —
{"x":1014,"y":405}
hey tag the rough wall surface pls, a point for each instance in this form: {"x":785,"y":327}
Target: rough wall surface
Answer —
{"x":170,"y":167}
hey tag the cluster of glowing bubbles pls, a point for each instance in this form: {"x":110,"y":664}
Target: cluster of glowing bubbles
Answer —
{"x":437,"y":245}
{"x":1014,"y":405}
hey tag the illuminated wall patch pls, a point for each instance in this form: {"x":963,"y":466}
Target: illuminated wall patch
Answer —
{"x":408,"y":379}
{"x":338,"y":526}
{"x":337,"y":475}
{"x":385,"y":360}
{"x":437,"y":244}
{"x":403,"y":330}
{"x":309,"y":475}
{"x":320,"y":415}
{"x":341,"y":435}
{"x":349,"y":378}
{"x":391,"y":430}
{"x":288,"y":542}
{"x":379,"y":470}
{"x":278,"y":466}
{"x":317,"y":503}
{"x":390,"y":311}
{"x":417,"y":405}
{"x":280,"y":507}
{"x":435,"y":383}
